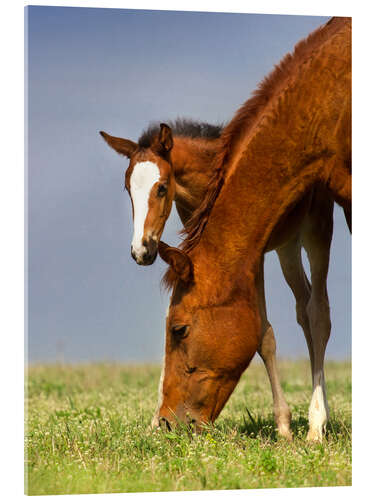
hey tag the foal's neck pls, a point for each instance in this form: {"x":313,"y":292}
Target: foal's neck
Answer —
{"x":192,"y":161}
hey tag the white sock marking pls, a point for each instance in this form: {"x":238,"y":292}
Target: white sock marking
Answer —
{"x":317,"y":410}
{"x":155,"y":420}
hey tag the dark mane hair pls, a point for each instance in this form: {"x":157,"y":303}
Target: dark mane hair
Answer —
{"x":182,"y":127}
{"x":245,"y":118}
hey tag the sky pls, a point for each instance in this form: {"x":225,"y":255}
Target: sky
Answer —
{"x":117,"y":70}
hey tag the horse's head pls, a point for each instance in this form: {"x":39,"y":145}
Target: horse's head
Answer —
{"x":150,"y":182}
{"x":208,"y":345}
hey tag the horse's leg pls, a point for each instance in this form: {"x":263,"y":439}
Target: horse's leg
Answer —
{"x":294,"y":274}
{"x":267,"y":351}
{"x":316,"y":239}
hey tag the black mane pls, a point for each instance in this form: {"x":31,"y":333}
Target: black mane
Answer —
{"x":181,"y":127}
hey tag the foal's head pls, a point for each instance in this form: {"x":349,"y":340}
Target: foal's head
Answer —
{"x":210,"y":340}
{"x":150,"y":182}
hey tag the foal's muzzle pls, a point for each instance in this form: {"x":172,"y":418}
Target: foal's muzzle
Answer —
{"x":163,"y":423}
{"x":147,"y":255}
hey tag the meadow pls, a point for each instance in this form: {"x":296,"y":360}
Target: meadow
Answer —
{"x":88,"y":431}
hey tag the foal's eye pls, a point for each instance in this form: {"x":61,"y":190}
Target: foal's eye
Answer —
{"x":180,"y":331}
{"x":162,"y":190}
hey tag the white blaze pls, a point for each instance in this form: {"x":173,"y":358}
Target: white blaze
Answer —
{"x":155,"y":420}
{"x":143,"y":177}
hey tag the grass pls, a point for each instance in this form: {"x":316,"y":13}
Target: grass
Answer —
{"x":88,"y":431}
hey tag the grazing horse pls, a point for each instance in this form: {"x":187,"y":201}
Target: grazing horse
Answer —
{"x":290,"y":141}
{"x":191,"y":159}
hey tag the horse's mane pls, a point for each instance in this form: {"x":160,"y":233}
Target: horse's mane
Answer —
{"x":184,"y":127}
{"x":245,"y":118}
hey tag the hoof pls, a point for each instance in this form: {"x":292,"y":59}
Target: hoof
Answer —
{"x":285,"y":433}
{"x":315,"y":436}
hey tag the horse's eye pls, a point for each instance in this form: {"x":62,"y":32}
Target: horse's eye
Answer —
{"x":162,"y":190}
{"x":180,"y":331}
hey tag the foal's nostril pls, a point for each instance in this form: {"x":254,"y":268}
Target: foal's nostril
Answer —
{"x":163,"y":422}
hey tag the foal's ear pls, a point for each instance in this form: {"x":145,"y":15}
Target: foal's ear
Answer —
{"x":164,"y":142}
{"x":122,"y":146}
{"x":178,"y":260}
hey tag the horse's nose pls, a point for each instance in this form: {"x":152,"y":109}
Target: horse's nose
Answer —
{"x":151,"y":251}
{"x":150,"y":244}
{"x":141,"y":255}
{"x":163,"y":422}
{"x":146,"y":253}
{"x":146,"y":248}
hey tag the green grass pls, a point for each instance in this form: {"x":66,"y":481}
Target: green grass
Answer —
{"x":88,"y":431}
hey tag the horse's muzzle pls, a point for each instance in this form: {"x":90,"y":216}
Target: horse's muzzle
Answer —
{"x":163,"y":423}
{"x":148,"y":254}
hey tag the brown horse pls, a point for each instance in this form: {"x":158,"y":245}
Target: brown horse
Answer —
{"x":185,"y":178}
{"x":291,"y":141}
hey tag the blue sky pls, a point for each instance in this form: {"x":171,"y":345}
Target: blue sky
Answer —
{"x":117,"y":70}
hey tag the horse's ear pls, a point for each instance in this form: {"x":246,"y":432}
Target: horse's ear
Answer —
{"x":122,"y":146}
{"x":164,"y":142}
{"x":178,"y":260}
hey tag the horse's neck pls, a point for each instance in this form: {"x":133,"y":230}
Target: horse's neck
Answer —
{"x":192,"y":161}
{"x":294,"y":145}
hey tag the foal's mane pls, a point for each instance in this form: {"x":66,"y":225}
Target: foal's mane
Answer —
{"x":245,"y":118}
{"x":184,"y":127}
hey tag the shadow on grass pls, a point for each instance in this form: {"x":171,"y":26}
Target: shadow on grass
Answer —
{"x":265,"y":428}
{"x":258,"y":426}
{"x":337,"y":429}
